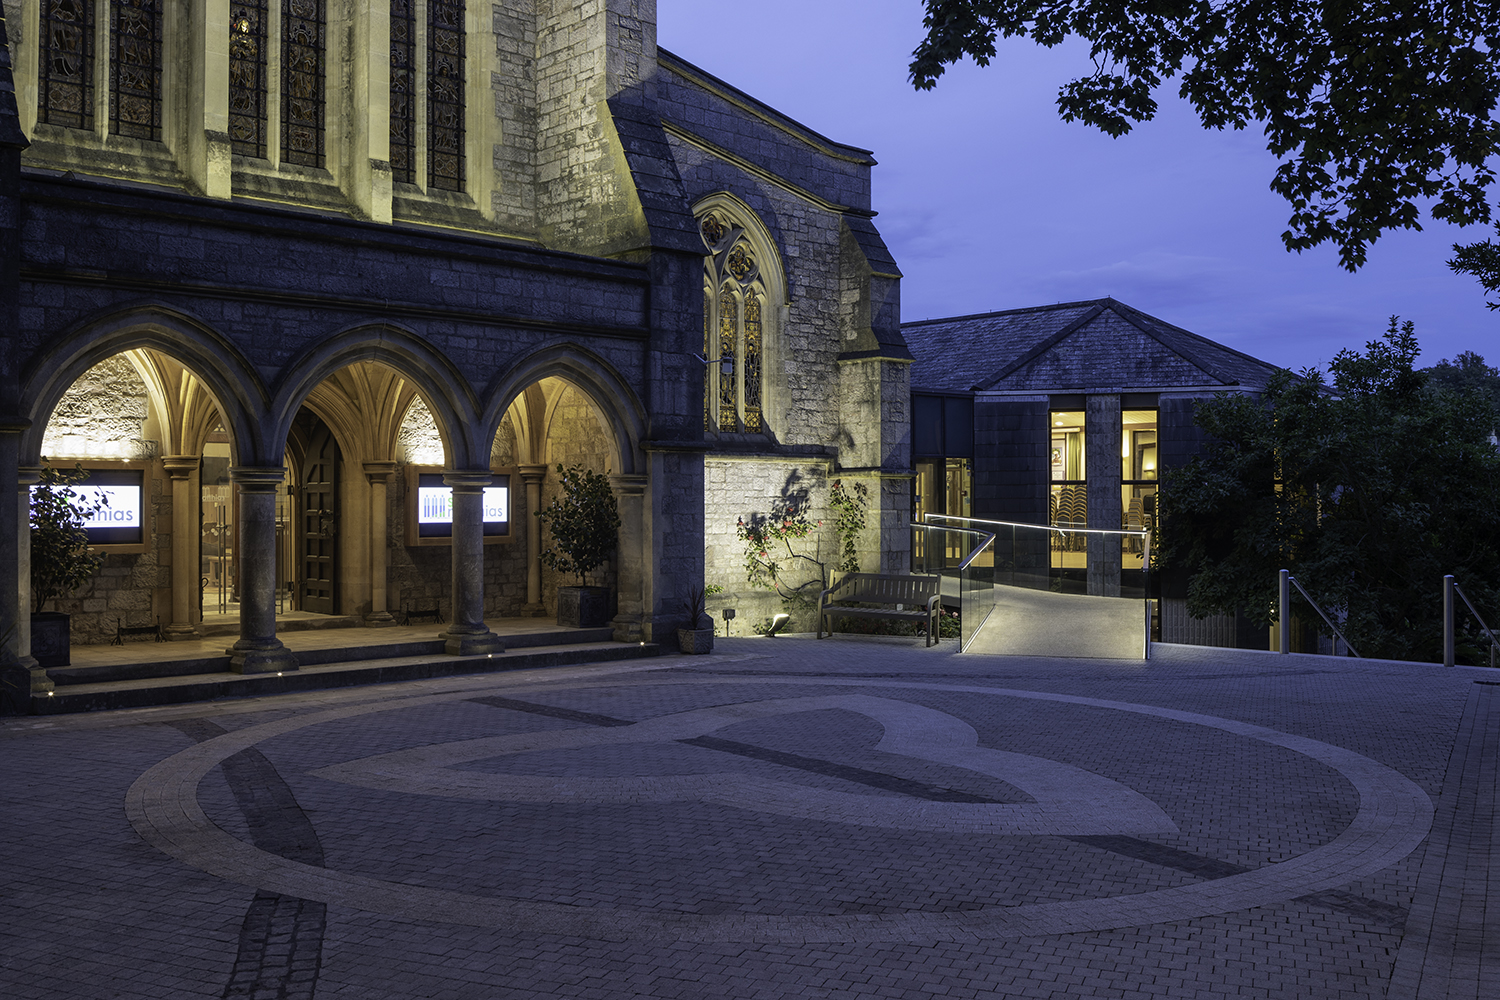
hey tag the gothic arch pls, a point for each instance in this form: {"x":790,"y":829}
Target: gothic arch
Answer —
{"x":596,"y":378}
{"x":756,"y":232}
{"x":745,"y":314}
{"x":443,"y":387}
{"x":190,"y":342}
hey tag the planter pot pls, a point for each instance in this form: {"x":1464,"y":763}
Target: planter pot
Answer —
{"x":695,"y":640}
{"x":51,"y":639}
{"x":583,"y":607}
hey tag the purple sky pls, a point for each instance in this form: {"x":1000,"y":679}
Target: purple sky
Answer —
{"x":989,"y":201}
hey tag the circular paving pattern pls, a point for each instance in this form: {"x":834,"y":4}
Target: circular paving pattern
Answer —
{"x":1393,"y":816}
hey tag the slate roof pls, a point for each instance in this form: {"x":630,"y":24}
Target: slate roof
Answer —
{"x":1071,"y":346}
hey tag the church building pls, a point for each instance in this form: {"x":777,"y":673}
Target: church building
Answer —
{"x":323,"y":292}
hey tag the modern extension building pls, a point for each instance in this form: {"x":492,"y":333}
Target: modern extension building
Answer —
{"x":321,"y":293}
{"x":1066,"y":415}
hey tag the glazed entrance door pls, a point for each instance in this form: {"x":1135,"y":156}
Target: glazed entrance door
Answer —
{"x":318,"y":512}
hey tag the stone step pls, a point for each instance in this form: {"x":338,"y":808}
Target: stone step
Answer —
{"x":182,"y":688}
{"x":181,"y":666}
{"x":232,"y":628}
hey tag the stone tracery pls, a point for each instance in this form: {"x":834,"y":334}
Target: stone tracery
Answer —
{"x":733,"y":325}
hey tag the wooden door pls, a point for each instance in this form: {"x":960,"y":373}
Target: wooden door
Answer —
{"x":318,"y":511}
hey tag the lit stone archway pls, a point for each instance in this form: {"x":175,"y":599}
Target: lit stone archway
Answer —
{"x":541,"y":395}
{"x":333,"y":378}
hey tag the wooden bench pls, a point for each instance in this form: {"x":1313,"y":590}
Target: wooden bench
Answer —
{"x":434,"y":613}
{"x":123,"y":631}
{"x":907,"y":598}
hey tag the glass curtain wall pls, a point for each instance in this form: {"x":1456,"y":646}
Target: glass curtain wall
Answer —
{"x":1138,"y":478}
{"x":1068,"y":500}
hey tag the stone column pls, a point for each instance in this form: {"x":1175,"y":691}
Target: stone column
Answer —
{"x":532,"y":476}
{"x":379,"y":473}
{"x":258,"y":650}
{"x":467,"y":634}
{"x":22,"y":676}
{"x":630,"y":491}
{"x":1102,"y":469}
{"x":185,"y":571}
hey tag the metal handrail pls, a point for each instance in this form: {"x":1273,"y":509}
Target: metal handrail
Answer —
{"x":1448,"y":657}
{"x":988,"y":540}
{"x":1045,"y":527}
{"x":1285,"y":623}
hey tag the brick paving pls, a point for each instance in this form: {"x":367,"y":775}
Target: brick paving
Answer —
{"x":786,"y":818}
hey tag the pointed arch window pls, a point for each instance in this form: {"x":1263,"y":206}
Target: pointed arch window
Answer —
{"x":135,"y":34}
{"x":428,"y":90}
{"x":133,"y":55}
{"x":66,"y":78}
{"x":303,"y":43}
{"x":247,"y":77}
{"x":445,"y":94}
{"x":733,"y":326}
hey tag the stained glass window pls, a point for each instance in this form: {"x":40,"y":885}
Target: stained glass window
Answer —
{"x":734,"y":303}
{"x":445,"y":94}
{"x":135,"y":68}
{"x":404,"y":91}
{"x":751,"y":367}
{"x":728,"y":338}
{"x":247,"y":77}
{"x":303,"y":26}
{"x":66,"y":77}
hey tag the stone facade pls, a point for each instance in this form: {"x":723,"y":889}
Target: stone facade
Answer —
{"x":534,"y":279}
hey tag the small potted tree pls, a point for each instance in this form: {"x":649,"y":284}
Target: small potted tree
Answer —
{"x":61,"y":561}
{"x":585,"y":525}
{"x":698,"y":636}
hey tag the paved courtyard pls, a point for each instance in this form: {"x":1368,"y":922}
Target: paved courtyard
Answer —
{"x":854,"y":817}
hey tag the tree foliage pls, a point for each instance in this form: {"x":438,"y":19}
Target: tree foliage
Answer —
{"x":1469,"y":373}
{"x":585,"y":522}
{"x":1368,"y":490}
{"x":61,"y":561}
{"x":1375,"y":108}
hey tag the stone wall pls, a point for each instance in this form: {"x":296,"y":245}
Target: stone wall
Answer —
{"x":747,"y":489}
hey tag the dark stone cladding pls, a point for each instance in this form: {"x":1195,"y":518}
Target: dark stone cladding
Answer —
{"x":156,"y":243}
{"x":1010,"y":469}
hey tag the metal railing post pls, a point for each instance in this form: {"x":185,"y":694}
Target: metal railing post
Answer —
{"x":1283,"y":612}
{"x":1448,"y":620}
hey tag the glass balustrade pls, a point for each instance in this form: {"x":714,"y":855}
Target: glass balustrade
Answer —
{"x":1041,"y":590}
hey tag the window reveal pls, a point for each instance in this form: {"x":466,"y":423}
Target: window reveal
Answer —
{"x":302,"y":97}
{"x":403,"y":91}
{"x":135,"y":68}
{"x":445,"y":94}
{"x":247,"y":77}
{"x":67,"y":64}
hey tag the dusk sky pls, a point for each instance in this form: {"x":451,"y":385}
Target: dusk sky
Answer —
{"x":988,"y":200}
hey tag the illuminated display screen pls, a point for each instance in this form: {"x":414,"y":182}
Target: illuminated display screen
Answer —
{"x":435,"y":507}
{"x":122,"y":520}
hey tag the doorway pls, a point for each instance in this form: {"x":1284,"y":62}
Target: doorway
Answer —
{"x":318,"y":517}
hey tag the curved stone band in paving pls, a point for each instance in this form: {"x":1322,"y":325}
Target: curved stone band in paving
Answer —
{"x":1394,"y":817}
{"x":1069,"y":800}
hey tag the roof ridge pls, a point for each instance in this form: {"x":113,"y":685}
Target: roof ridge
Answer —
{"x":1010,"y":312}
